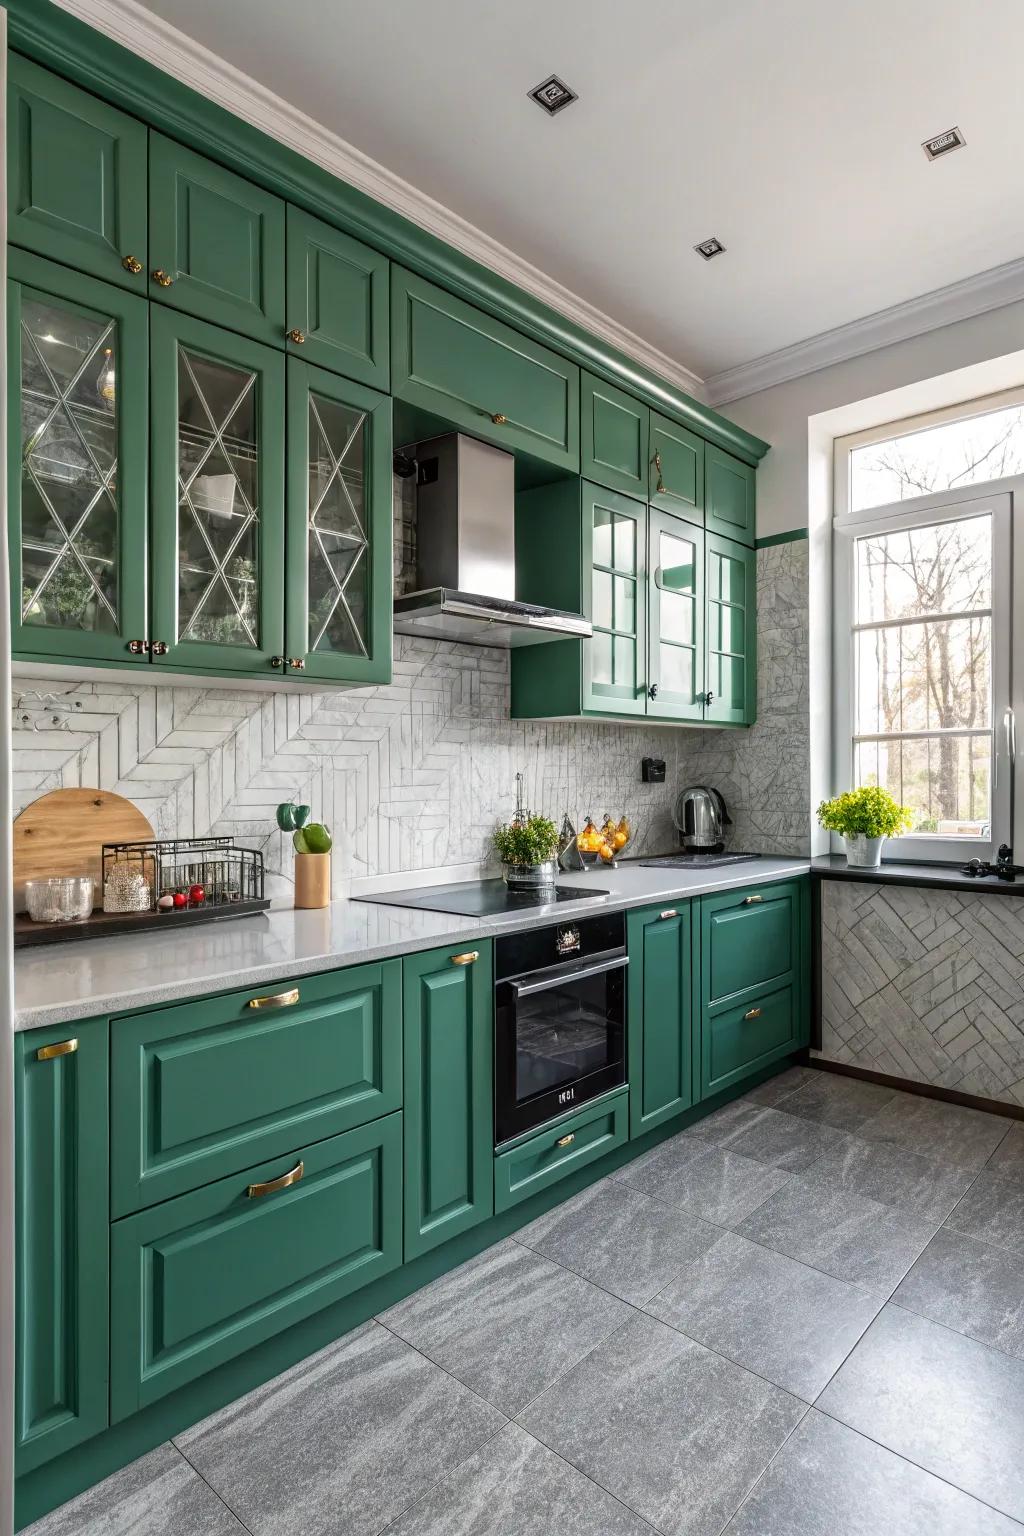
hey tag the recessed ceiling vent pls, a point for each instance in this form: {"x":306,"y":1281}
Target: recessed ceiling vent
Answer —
{"x":710,"y":248}
{"x":553,"y":94}
{"x":943,"y":143}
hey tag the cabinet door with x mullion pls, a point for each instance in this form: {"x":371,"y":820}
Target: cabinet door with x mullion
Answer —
{"x":339,"y":529}
{"x":217,"y":407}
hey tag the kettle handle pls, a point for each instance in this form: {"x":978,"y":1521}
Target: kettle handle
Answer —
{"x":726,"y":818}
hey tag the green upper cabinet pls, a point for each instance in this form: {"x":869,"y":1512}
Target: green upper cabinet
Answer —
{"x":76,"y":172}
{"x":77,"y":465}
{"x":615,"y":556}
{"x":729,"y":496}
{"x":676,"y":624}
{"x":662,"y":979}
{"x":457,"y":363}
{"x":614,"y":434}
{"x":337,"y":305}
{"x":676,"y":468}
{"x":216,"y":243}
{"x":61,"y":1236}
{"x":339,"y":529}
{"x":217,"y":410}
{"x":731,"y":632}
{"x":449,"y":1106}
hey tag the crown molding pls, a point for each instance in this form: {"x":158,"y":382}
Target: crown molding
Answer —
{"x":943,"y":306}
{"x":167,"y":48}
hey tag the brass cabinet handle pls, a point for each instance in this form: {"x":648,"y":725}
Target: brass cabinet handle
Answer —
{"x":131,"y":264}
{"x":748,"y":901}
{"x":277,"y":662}
{"x":276,"y":1000}
{"x":499,"y":420}
{"x":297,"y":663}
{"x":158,"y":648}
{"x":254,"y":1191}
{"x":660,"y":487}
{"x":138,"y":647}
{"x":60,"y":1048}
{"x":297,"y":336}
{"x":566,"y":1141}
{"x":753,"y":1013}
{"x":160,"y":276}
{"x":467,"y":958}
{"x":668,"y":912}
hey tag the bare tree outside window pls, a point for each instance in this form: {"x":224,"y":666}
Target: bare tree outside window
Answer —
{"x":942,"y":458}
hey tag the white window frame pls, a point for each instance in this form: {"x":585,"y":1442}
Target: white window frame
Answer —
{"x":999,"y":497}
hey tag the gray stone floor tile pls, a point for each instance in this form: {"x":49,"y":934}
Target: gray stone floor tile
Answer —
{"x":971,"y":1286}
{"x":620,"y":1239}
{"x":1008,"y":1158}
{"x":948,"y":1403}
{"x":715,"y":1185}
{"x":992,"y":1209}
{"x":844,"y":1234}
{"x":948,"y":1133}
{"x":789,"y":1323}
{"x":829,"y":1481}
{"x":673,"y":1430}
{"x":843,"y":1102}
{"x":785,"y":1141}
{"x":781,"y":1086}
{"x":507,"y":1323}
{"x":892,"y":1176}
{"x":158,"y":1495}
{"x":514,"y":1486}
{"x":725,"y":1123}
{"x":343,"y":1442}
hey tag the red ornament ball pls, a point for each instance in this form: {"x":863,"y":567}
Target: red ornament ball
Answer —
{"x":196,"y":894}
{"x":180,"y":899}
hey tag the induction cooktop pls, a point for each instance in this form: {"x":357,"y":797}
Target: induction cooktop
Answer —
{"x":483,"y":898}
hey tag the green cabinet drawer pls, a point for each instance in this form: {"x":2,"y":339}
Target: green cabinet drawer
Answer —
{"x":457,"y":363}
{"x":614,"y":436}
{"x":76,"y":171}
{"x":216,"y":243}
{"x":749,"y":937}
{"x":741,"y":1037}
{"x":729,"y":496}
{"x":337,"y":301}
{"x":536,"y":1162}
{"x":661,"y":991}
{"x":198,"y":1280}
{"x":61,"y":1236}
{"x":676,"y":468}
{"x":208,"y":1087}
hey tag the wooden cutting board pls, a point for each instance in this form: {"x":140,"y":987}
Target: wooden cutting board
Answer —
{"x":63,"y":832}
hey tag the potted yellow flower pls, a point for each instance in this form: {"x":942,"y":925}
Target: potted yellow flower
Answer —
{"x":864,"y":818}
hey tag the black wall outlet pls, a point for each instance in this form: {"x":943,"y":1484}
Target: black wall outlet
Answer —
{"x":652,"y":770}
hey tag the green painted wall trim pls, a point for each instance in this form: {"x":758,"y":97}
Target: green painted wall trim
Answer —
{"x":791,"y":536}
{"x":63,"y":43}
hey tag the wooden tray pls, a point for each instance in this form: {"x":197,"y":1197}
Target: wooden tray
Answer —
{"x":62,"y":833}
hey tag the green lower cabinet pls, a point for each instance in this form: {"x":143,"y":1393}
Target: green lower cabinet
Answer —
{"x":741,"y":1037}
{"x":61,"y":1311}
{"x":449,"y":1094}
{"x":535,"y":1162}
{"x":197,"y":1280}
{"x":662,"y":983}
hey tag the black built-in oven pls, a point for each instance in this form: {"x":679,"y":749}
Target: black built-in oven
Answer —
{"x":560,"y":1019}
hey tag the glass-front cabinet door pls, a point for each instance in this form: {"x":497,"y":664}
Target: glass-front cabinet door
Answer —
{"x":218,"y":495}
{"x":339,"y":540}
{"x":614,"y":553}
{"x":77,"y":372}
{"x":731,"y":673}
{"x":675,"y":565}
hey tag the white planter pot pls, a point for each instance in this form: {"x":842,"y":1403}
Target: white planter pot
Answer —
{"x":863,"y":852}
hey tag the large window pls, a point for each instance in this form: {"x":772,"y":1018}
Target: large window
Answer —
{"x":923,"y":626}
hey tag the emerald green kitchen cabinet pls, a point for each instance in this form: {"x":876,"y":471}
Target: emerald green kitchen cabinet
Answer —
{"x":338,"y":543}
{"x":61,"y":1258}
{"x":449,"y":1104}
{"x":541,"y":1159}
{"x":204,"y":1088}
{"x":77,"y":465}
{"x":217,"y":443}
{"x":731,"y":643}
{"x":76,"y":177}
{"x":729,"y":496}
{"x":676,"y":468}
{"x":463,"y":367}
{"x":614,"y":437}
{"x":338,"y":311}
{"x":197,"y":1280}
{"x":677,"y":613}
{"x":662,"y":984}
{"x":216,"y":243}
{"x":615,"y":561}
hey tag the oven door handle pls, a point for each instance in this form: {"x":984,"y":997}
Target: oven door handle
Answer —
{"x":527,"y":988}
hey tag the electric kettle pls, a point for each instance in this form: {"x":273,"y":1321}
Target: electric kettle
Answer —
{"x":700,"y":818}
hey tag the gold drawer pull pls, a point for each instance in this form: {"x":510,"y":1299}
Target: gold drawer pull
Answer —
{"x":753,"y":1013}
{"x":566,"y":1141}
{"x":254,"y":1191}
{"x":467,"y":958}
{"x":278,"y":1000}
{"x":60,"y":1048}
{"x":748,"y":901}
{"x":668,"y":912}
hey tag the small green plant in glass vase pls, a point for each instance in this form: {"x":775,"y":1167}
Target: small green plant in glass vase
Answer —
{"x":864,"y":818}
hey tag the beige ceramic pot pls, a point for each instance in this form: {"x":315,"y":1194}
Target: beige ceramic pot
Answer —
{"x":312,"y":880}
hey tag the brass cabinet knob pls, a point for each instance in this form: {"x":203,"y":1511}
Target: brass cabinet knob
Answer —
{"x":163,"y":278}
{"x":131,"y":264}
{"x":499,"y":420}
{"x":158,"y":648}
{"x":297,"y":336}
{"x":653,"y":690}
{"x":138,"y":647}
{"x":60,"y":1048}
{"x":254,"y":1191}
{"x":277,"y":662}
{"x":297,"y":663}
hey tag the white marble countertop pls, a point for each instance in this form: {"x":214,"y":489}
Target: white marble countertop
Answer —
{"x":58,"y":983}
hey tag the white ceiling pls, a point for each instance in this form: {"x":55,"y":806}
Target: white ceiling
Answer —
{"x":790,"y":129}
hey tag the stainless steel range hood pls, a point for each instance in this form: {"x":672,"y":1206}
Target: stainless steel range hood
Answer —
{"x":465,"y":552}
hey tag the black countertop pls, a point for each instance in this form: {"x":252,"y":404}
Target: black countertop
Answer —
{"x":940,"y":877}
